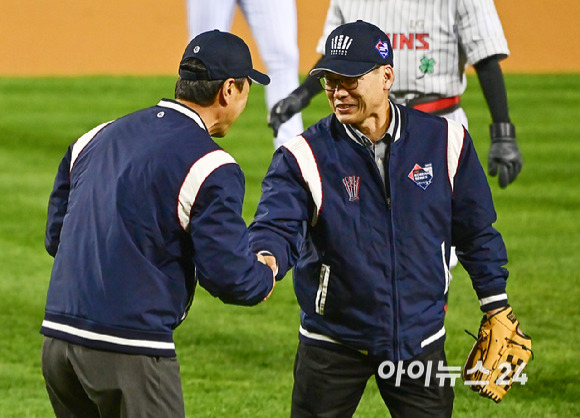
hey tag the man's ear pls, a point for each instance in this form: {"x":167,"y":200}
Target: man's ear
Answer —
{"x":389,"y":77}
{"x":226,"y":91}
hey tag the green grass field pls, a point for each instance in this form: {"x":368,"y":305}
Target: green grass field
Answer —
{"x":237,"y":362}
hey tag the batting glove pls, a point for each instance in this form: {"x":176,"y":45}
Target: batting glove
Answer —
{"x":293,"y":103}
{"x":283,"y":110}
{"x":504,"y":159}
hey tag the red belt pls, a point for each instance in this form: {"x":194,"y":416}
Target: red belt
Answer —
{"x":436,"y":106}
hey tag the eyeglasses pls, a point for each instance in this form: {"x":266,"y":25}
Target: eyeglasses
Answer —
{"x":347,"y":83}
{"x":331,"y":84}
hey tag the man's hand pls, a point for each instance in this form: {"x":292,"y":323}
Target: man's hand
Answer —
{"x":283,"y":110}
{"x":504,"y":156}
{"x":271,"y":262}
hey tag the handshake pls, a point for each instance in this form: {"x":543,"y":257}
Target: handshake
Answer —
{"x":268,"y":259}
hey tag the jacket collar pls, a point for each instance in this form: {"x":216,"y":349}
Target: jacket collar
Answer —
{"x":190,"y":113}
{"x":394,"y":129}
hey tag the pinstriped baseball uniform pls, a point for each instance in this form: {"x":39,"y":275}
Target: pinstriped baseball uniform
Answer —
{"x":433,"y":40}
{"x":274,"y":28}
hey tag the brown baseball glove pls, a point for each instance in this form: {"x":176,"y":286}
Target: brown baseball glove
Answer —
{"x":498,"y":357}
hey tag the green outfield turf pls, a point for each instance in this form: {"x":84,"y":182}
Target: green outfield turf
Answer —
{"x":237,"y":362}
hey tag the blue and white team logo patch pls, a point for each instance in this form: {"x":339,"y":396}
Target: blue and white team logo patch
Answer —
{"x":352,"y":184}
{"x":383,"y":48}
{"x":422,"y":176}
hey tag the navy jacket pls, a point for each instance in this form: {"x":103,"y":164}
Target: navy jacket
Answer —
{"x":143,"y":208}
{"x":370,"y":257}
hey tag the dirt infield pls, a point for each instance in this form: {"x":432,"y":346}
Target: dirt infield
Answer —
{"x":69,"y":37}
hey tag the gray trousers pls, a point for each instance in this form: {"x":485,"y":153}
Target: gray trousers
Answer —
{"x":83,"y":382}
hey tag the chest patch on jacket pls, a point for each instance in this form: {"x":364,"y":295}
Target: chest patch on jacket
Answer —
{"x":422,"y":176}
{"x":352,"y":183}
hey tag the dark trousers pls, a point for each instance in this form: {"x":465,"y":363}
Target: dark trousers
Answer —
{"x":82,"y":382}
{"x":330,"y":383}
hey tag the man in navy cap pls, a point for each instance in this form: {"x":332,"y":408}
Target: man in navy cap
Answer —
{"x":143,"y":208}
{"x":364,"y":206}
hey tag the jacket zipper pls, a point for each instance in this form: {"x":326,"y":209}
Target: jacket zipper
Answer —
{"x":392,"y":249}
{"x":387,"y":183}
{"x":387,"y":177}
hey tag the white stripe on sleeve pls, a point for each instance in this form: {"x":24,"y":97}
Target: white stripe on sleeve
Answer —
{"x":83,"y":141}
{"x":309,"y":170}
{"x":455,"y":137}
{"x":491,"y":299}
{"x":198,"y":172}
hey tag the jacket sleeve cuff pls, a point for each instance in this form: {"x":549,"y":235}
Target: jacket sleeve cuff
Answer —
{"x":493,"y":301}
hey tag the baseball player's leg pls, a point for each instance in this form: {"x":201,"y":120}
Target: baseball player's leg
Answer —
{"x":274,"y":28}
{"x":410,"y":397}
{"x":203,"y":16}
{"x":328,"y":383}
{"x":458,"y":115}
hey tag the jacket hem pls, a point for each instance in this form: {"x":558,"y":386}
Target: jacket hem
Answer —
{"x":107,"y":341}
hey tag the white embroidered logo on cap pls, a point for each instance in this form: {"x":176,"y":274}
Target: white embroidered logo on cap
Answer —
{"x":340,"y":44}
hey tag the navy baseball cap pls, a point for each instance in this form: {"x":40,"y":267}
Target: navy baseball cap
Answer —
{"x":353,"y":49}
{"x":224,"y":55}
